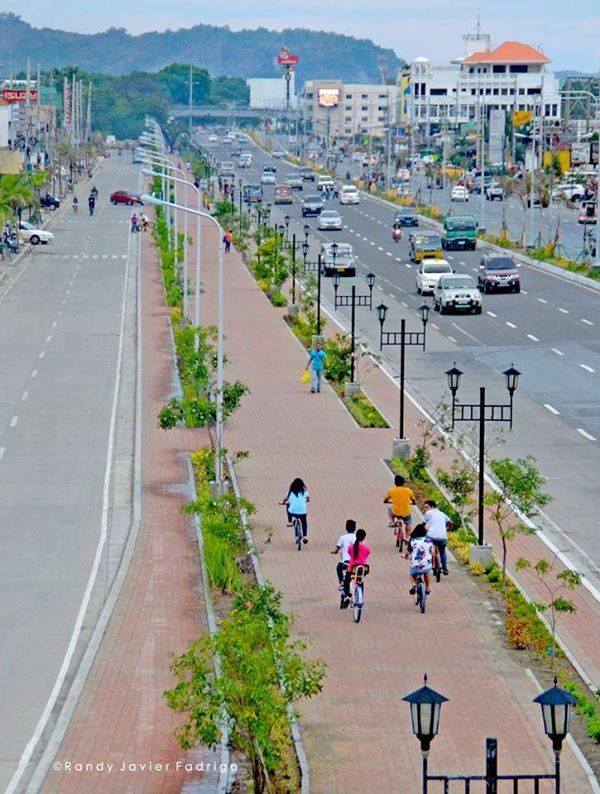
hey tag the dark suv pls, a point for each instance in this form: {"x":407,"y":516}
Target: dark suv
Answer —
{"x":498,"y":271}
{"x":49,"y":201}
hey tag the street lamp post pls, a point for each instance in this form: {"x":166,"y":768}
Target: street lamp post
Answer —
{"x":305,"y":247}
{"x":240,"y":185}
{"x":319,"y":268}
{"x":294,"y":269}
{"x":286,"y":220}
{"x":482,"y":412}
{"x":425,"y":711}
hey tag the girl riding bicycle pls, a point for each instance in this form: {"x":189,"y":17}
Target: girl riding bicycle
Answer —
{"x":296,"y":504}
{"x":420,"y":552}
{"x":359,"y":553}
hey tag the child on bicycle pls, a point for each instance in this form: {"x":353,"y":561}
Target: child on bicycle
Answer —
{"x":400,"y":498}
{"x":296,"y":503}
{"x":420,"y":553}
{"x":359,"y":553}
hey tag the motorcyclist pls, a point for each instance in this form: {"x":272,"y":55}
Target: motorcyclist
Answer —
{"x":91,"y":203}
{"x":396,"y":232}
{"x":94,"y":191}
{"x":75,"y":204}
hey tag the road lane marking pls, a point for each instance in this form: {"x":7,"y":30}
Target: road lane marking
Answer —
{"x":408,"y":264}
{"x":587,"y":322}
{"x":398,"y":259}
{"x":533,"y":338}
{"x":462,"y":263}
{"x":491,"y":314}
{"x":372,"y":243}
{"x":391,"y":294}
{"x":466,"y":333}
{"x":452,"y":339}
{"x":437,"y":327}
{"x":558,"y":352}
{"x":2,"y":451}
{"x":405,"y":304}
{"x":586,"y":368}
{"x":24,"y":396}
{"x":524,"y":292}
{"x":389,"y":253}
{"x":13,"y":421}
{"x":54,"y":324}
{"x":542,"y":300}
{"x":34,"y":373}
{"x":42,"y":354}
{"x":510,"y":325}
{"x":49,"y":338}
{"x":552,"y":409}
{"x":564,"y":311}
{"x":380,"y":247}
{"x":585,"y":434}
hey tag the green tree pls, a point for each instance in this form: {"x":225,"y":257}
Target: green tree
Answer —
{"x":519,"y":485}
{"x":176,"y":78}
{"x":460,"y":483}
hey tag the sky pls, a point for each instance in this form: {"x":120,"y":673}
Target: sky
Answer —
{"x":567,"y":30}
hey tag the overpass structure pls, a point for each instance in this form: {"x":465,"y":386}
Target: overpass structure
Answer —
{"x":213,"y":112}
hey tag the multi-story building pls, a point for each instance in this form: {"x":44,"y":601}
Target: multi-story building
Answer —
{"x":340,"y":111}
{"x":509,"y":78}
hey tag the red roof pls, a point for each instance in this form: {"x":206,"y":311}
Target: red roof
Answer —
{"x":509,"y":52}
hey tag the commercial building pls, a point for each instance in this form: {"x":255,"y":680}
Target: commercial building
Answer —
{"x":336,"y":110}
{"x":510,"y":78}
{"x":268,"y":93}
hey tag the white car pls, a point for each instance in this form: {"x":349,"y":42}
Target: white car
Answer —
{"x":325,"y":181}
{"x":34,"y":235}
{"x":457,"y":292}
{"x":268,"y":178}
{"x":213,"y":138}
{"x":459,"y":193}
{"x":349,"y":195}
{"x":278,"y":153}
{"x":430,"y":272}
{"x":571,"y":192}
{"x":329,"y":220}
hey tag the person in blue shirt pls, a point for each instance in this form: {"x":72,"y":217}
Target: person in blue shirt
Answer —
{"x":316,"y":362}
{"x":296,"y":503}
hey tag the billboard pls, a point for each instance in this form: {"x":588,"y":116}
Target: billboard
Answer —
{"x":19,"y":94}
{"x":285,"y":58}
{"x":328,"y":97}
{"x":521,"y":117}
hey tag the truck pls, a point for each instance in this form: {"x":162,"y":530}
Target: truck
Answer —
{"x":460,"y":231}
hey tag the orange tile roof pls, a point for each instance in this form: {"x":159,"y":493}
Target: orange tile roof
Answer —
{"x":509,"y":52}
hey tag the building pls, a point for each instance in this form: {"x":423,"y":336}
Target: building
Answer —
{"x":269,"y":93}
{"x":512,"y":77}
{"x":336,"y":110}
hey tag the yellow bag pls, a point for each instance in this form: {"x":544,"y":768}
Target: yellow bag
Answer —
{"x":305,"y":377}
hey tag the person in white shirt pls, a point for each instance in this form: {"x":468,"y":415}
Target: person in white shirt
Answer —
{"x":342,"y":547}
{"x":437,"y":524}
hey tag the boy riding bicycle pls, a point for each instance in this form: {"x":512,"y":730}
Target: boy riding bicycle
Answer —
{"x":437,"y":524}
{"x":400,"y":498}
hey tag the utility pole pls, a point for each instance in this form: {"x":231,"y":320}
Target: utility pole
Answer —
{"x":191,"y":100}
{"x":89,"y":113}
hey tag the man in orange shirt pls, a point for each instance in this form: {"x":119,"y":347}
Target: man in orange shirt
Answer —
{"x":400,"y":498}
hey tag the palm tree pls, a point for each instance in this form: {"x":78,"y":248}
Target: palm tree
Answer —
{"x":17,"y":192}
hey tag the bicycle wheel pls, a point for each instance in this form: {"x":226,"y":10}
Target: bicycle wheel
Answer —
{"x":437,"y":573}
{"x":298,"y":532}
{"x":358,"y":603}
{"x":422,"y":596}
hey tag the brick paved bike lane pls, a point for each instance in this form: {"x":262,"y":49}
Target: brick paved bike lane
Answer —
{"x":121,"y":716}
{"x":357,"y":732}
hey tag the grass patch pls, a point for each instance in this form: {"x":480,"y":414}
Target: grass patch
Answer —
{"x":363,"y":410}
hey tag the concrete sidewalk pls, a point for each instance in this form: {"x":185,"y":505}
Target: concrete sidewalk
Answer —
{"x":357,"y":732}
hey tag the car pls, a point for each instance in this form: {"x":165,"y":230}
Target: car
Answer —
{"x":494,"y":191}
{"x":137,"y":159}
{"x":30,"y":233}
{"x":270,"y":167}
{"x":429,"y":273}
{"x":125,"y":197}
{"x":283,"y":194}
{"x":307,"y":174}
{"x":253,"y":194}
{"x":226,"y":168}
{"x":294,"y":181}
{"x":330,"y":220}
{"x":405,"y":216}
{"x":325,"y":182}
{"x":244,"y":162}
{"x":312,"y":205}
{"x":213,"y":138}
{"x":342,"y":263}
{"x":457,"y":292}
{"x":459,"y":193}
{"x":49,"y":201}
{"x":498,"y":271}
{"x":267,"y":178}
{"x":349,"y":195}
{"x":477,"y":182}
{"x":278,"y":153}
{"x":587,"y":212}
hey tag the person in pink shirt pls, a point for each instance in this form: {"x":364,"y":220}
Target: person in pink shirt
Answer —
{"x":359,"y":555}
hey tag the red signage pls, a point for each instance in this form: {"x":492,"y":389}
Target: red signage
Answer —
{"x":285,"y":58}
{"x":19,"y":94}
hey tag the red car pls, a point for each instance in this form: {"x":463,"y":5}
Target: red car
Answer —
{"x":125,"y":197}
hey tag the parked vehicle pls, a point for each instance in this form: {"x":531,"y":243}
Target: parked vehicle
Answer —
{"x":283,"y":194}
{"x":477,"y":183}
{"x":459,"y":193}
{"x":213,"y":138}
{"x":457,"y":292}
{"x":343,"y":263}
{"x":30,"y":233}
{"x":429,"y":273}
{"x":349,"y":194}
{"x":49,"y":201}
{"x":405,"y":216}
{"x":125,"y":197}
{"x":423,"y":245}
{"x":312,"y":205}
{"x":330,"y":220}
{"x":587,"y":212}
{"x":498,"y":271}
{"x":278,"y":153}
{"x":460,"y":231}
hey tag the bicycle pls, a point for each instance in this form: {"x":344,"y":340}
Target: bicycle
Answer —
{"x":297,"y":527}
{"x":420,"y":593}
{"x":437,"y":565}
{"x":399,"y":533}
{"x":357,"y":593}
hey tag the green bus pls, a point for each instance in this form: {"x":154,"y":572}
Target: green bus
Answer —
{"x":460,"y":231}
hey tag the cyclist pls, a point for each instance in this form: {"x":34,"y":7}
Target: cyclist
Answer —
{"x":144,"y":221}
{"x":342,"y":548}
{"x":437,"y":524}
{"x":296,"y":504}
{"x":91,"y":203}
{"x":420,"y":552}
{"x":400,"y":498}
{"x":134,"y":223}
{"x":358,"y":554}
{"x":75,"y":204}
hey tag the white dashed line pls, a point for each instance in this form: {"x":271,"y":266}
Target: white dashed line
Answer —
{"x":587,"y":322}
{"x":524,"y":292}
{"x":398,"y":259}
{"x":585,"y":434}
{"x":452,"y":339}
{"x":24,"y":396}
{"x":586,"y":368}
{"x":2,"y":451}
{"x":372,"y":243}
{"x":492,"y":314}
{"x":533,"y":338}
{"x":462,"y":263}
{"x":13,"y":421}
{"x":543,"y":300}
{"x":104,"y":256}
{"x":408,"y":264}
{"x":94,"y":256}
{"x":437,"y":327}
{"x":389,"y":253}
{"x":391,"y":294}
{"x":510,"y":325}
{"x":54,"y":324}
{"x":552,"y":409}
{"x":405,"y":304}
{"x":49,"y":338}
{"x":68,"y":292}
{"x":558,"y":352}
{"x":379,"y":246}
{"x":34,"y":373}
{"x":42,"y":354}
{"x":564,"y":311}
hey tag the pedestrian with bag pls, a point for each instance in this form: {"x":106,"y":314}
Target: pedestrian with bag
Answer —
{"x":316,"y":362}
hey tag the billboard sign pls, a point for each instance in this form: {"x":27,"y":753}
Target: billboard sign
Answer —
{"x":285,"y":58}
{"x":19,"y":94}
{"x":521,"y":117}
{"x":328,"y":97}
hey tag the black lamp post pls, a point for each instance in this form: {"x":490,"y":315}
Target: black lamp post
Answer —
{"x":319,"y":268}
{"x":286,"y":220}
{"x":371,"y":284}
{"x":293,"y":268}
{"x":336,"y":285}
{"x":334,"y":249}
{"x":482,"y":412}
{"x":425,"y":711}
{"x":240,"y":186}
{"x":306,"y":231}
{"x":305,"y":247}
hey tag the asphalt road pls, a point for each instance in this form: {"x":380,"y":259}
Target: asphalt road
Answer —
{"x":60,"y":333}
{"x":550,"y":332}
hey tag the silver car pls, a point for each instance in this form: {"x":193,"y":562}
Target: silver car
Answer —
{"x":330,"y":219}
{"x":457,"y":292}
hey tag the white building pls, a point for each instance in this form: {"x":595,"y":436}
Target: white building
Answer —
{"x":338,"y":110}
{"x":269,"y":93}
{"x":509,"y":78}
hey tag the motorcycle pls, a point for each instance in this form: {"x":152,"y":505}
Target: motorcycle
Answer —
{"x":396,"y":234}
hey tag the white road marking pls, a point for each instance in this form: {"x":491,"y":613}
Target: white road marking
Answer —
{"x":94,"y":256}
{"x":586,"y":368}
{"x":42,"y":354}
{"x":466,"y":333}
{"x":437,"y":327}
{"x":372,"y":243}
{"x":558,"y":352}
{"x":379,"y":246}
{"x":13,"y":421}
{"x":524,"y":292}
{"x":34,"y":373}
{"x":462,"y":263}
{"x":491,"y":314}
{"x":551,"y":409}
{"x":533,"y":338}
{"x":585,"y":434}
{"x":452,"y":339}
{"x":104,"y":256}
{"x":510,"y":325}
{"x":24,"y":396}
{"x":408,"y":264}
{"x":474,"y":269}
{"x":2,"y":451}
{"x":398,"y":259}
{"x":54,"y":324}
{"x":113,"y":256}
{"x":587,"y":322}
{"x":564,"y":311}
{"x":405,"y":304}
{"x":542,"y":300}
{"x":389,"y":253}
{"x":49,"y":338}
{"x":391,"y":294}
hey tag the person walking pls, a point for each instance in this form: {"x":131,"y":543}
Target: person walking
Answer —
{"x":134,"y":223}
{"x":227,"y":240}
{"x":91,"y":203}
{"x":316,"y":362}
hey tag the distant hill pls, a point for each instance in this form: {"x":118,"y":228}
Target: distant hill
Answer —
{"x":244,"y":53}
{"x":562,"y":74}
